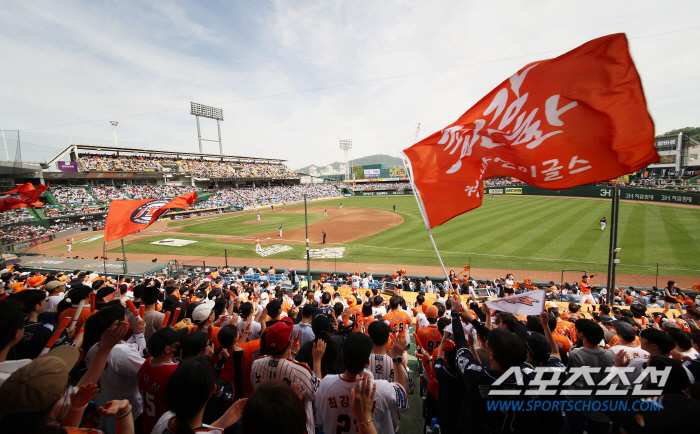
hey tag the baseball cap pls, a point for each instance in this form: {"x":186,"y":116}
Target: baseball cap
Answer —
{"x":538,"y":346}
{"x":202,"y":311}
{"x":54,"y":284}
{"x":37,"y":385}
{"x":625,"y":330}
{"x":606,"y":319}
{"x":104,"y":292}
{"x":357,"y":348}
{"x":164,"y":337}
{"x":264,"y":296}
{"x":352,"y":301}
{"x":279,"y":335}
{"x":432,"y":312}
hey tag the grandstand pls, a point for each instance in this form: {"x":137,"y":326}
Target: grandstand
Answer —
{"x":84,"y":179}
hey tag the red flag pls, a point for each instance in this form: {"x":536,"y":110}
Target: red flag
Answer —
{"x":558,"y":123}
{"x":22,"y":196}
{"x":128,"y":216}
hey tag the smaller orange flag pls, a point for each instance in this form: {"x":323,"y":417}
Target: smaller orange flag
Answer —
{"x":22,"y":196}
{"x":128,"y":216}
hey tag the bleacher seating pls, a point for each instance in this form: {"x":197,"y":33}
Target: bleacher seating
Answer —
{"x":200,"y":168}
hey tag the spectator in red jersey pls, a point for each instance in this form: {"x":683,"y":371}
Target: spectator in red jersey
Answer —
{"x":155,"y":373}
{"x":190,"y":387}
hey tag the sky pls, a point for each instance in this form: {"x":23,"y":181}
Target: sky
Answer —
{"x":294,"y":78}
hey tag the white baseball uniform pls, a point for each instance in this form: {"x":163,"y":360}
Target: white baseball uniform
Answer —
{"x":291,"y":372}
{"x":333,"y":411}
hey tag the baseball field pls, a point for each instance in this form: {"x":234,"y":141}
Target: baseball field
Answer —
{"x":509,"y":232}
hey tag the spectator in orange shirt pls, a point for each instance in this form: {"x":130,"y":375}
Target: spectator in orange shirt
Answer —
{"x":74,"y":297}
{"x":399,"y":321}
{"x":429,"y":337}
{"x":565,"y":328}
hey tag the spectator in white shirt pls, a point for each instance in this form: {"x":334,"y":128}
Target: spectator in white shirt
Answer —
{"x":120,"y":378}
{"x":57,"y":290}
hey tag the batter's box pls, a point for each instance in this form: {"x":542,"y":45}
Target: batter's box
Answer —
{"x":274,"y":249}
{"x":328,"y":253}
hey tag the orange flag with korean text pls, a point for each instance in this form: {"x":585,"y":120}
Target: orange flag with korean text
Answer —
{"x":22,"y":196}
{"x":128,"y":216}
{"x":572,"y":120}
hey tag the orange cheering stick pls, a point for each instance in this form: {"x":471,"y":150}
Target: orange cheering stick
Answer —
{"x":132,"y":308}
{"x":56,"y":334}
{"x":142,"y":310}
{"x":166,"y":320}
{"x":175,"y":317}
{"x":81,"y":305}
{"x":92,"y":301}
{"x":415,"y":336}
{"x":79,"y":332}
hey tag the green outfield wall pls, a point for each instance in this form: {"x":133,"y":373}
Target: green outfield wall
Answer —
{"x":602,"y":192}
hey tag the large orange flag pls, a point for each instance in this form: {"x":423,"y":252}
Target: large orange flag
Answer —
{"x":558,"y":123}
{"x":22,"y":196}
{"x":128,"y":216}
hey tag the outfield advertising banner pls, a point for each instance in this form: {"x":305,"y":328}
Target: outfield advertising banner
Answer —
{"x":640,"y":194}
{"x":372,"y":173}
{"x":397,"y":172}
{"x":383,"y":193}
{"x":495,"y":191}
{"x":77,"y":218}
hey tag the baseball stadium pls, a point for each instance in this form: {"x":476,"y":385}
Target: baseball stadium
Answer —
{"x":255,"y":213}
{"x":529,"y":268}
{"x":373,"y":225}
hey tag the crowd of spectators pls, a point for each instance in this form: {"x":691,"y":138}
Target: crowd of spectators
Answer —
{"x":227,"y":348}
{"x":15,"y":216}
{"x":53,"y":211}
{"x":78,"y":201}
{"x":107,"y":193}
{"x":157,"y":191}
{"x":101,"y":163}
{"x":198,"y":167}
{"x":71,"y":195}
{"x":18,"y":234}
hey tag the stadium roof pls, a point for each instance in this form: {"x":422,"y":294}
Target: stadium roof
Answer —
{"x":114,"y":150}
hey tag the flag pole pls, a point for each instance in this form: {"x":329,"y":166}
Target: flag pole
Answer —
{"x":419,"y":201}
{"x":124,"y":253}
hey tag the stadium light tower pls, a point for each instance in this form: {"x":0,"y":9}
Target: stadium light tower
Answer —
{"x":346,"y":145}
{"x":208,"y":112}
{"x":114,"y":125}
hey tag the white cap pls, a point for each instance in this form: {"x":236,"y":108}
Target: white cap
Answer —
{"x":202,"y":311}
{"x":264,"y":296}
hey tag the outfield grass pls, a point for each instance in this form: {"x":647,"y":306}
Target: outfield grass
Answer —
{"x":511,"y":232}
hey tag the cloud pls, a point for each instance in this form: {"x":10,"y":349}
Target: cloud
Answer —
{"x":382,"y":67}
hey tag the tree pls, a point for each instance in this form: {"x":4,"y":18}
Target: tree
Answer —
{"x":692,"y":132}
{"x":359,"y":172}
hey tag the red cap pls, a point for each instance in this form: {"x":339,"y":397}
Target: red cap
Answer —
{"x":279,"y":335}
